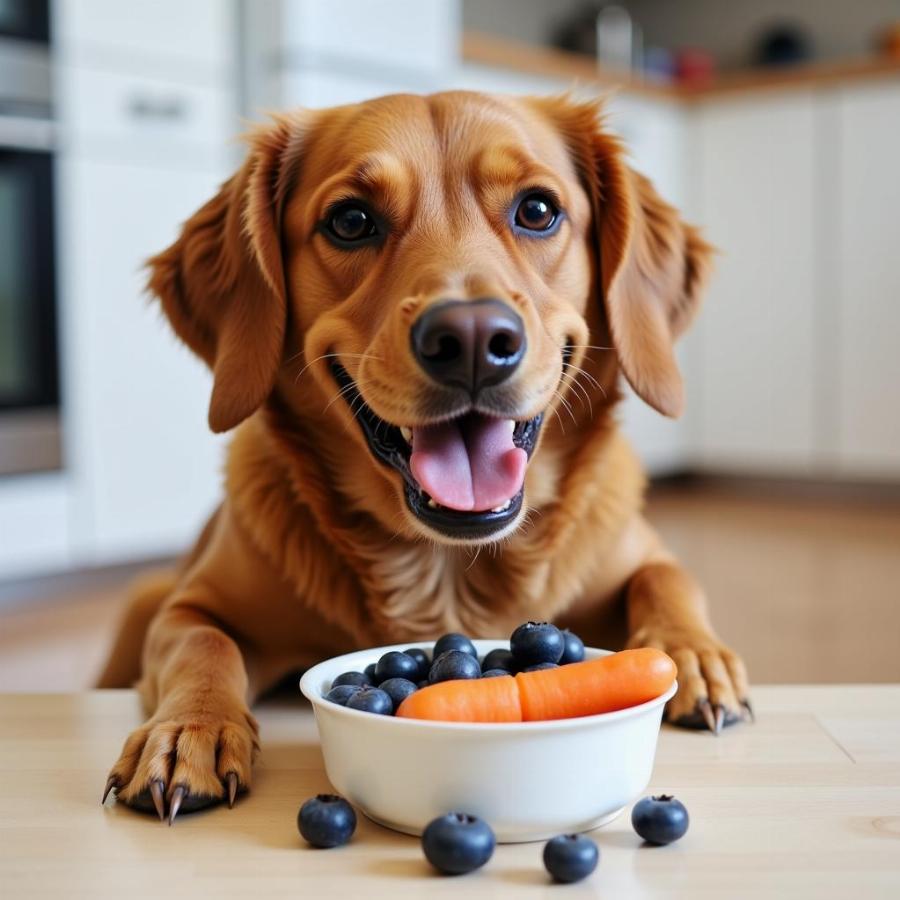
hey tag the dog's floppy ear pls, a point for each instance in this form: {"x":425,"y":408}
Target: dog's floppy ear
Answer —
{"x":222,"y":284}
{"x":652,"y":266}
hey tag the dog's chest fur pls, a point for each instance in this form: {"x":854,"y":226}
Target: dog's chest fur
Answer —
{"x":383,"y":588}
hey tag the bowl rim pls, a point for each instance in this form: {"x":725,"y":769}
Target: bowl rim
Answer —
{"x":310,"y":678}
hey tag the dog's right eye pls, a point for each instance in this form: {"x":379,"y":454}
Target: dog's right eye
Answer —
{"x":350,"y":223}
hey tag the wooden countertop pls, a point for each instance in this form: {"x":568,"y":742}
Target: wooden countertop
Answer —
{"x":488,"y":50}
{"x":805,"y":803}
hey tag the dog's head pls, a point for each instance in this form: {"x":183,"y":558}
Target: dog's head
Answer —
{"x":434,"y":267}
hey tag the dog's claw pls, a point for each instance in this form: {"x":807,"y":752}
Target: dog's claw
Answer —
{"x":748,"y":710}
{"x":175,"y":803}
{"x":157,"y":792}
{"x":111,"y":782}
{"x":720,"y":718}
{"x":231,"y":781}
{"x":707,"y":713}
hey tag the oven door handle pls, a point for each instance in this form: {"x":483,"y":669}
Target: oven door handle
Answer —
{"x":22,"y":133}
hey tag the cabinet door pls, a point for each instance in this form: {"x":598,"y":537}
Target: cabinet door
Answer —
{"x":754,"y":386}
{"x":192,"y":38}
{"x":866,"y":350}
{"x":145,"y":468}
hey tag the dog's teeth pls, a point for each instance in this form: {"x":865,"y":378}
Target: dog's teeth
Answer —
{"x":511,"y":425}
{"x":502,"y":508}
{"x":432,"y":504}
{"x":406,"y":434}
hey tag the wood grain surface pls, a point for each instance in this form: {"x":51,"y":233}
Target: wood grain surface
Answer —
{"x":805,"y":803}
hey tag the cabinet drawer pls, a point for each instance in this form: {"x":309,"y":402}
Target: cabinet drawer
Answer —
{"x":116,"y":114}
{"x":196,"y":34}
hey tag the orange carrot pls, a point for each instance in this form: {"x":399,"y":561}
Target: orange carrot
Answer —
{"x":465,"y":700}
{"x":578,"y":689}
{"x":595,"y":686}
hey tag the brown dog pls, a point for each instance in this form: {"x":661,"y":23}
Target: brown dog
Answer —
{"x":409,"y":308}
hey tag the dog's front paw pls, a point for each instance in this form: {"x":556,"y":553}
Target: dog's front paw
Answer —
{"x":712,"y":680}
{"x":185,"y":762}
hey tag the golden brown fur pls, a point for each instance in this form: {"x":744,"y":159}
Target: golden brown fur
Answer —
{"x":313,"y":552}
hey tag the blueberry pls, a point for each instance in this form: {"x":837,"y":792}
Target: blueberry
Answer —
{"x":536,"y":642}
{"x":398,"y":689}
{"x":494,"y":673}
{"x":371,"y":699}
{"x":570,"y":857}
{"x":457,"y":843}
{"x":370,"y":673}
{"x":395,"y":664}
{"x":422,"y":658}
{"x":454,"y":641}
{"x":454,"y":664}
{"x":326,"y":820}
{"x":342,"y":693}
{"x":537,"y":667}
{"x":357,"y":678}
{"x":573,"y":648}
{"x":423,"y":683}
{"x":660,"y":820}
{"x":498,"y":659}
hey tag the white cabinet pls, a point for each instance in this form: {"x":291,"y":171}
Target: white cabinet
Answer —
{"x":145,"y":467}
{"x":754,"y":383}
{"x":146,"y":100}
{"x":193,"y":37}
{"x":867,"y":352}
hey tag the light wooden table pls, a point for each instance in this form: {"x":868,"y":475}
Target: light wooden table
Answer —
{"x":805,"y":803}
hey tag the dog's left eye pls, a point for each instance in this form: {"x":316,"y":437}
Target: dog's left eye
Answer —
{"x":350,"y":223}
{"x":536,"y":212}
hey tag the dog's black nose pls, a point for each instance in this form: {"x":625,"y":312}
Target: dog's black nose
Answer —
{"x":469,"y":343}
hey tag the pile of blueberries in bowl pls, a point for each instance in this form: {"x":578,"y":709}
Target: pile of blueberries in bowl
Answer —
{"x":384,"y":685}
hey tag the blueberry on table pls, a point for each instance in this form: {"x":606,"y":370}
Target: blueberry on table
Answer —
{"x":360,"y":679}
{"x":570,"y":857}
{"x":326,"y":820}
{"x":536,"y":642}
{"x":370,"y":673}
{"x":660,"y":820}
{"x":454,"y":664}
{"x":421,"y":657}
{"x":342,"y":693}
{"x":457,"y":843}
{"x":454,"y":641}
{"x":371,"y":699}
{"x":539,"y":666}
{"x":395,"y":664}
{"x":573,"y":648}
{"x":398,"y":689}
{"x":496,"y":673}
{"x":498,"y":659}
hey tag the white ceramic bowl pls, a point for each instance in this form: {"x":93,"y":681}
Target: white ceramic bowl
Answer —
{"x":528,"y":780}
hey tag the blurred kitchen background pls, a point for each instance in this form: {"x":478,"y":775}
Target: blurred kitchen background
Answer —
{"x":773,"y":123}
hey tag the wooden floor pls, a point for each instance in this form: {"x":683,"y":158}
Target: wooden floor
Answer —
{"x":807,"y":589}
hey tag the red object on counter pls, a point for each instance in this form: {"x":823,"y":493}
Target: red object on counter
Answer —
{"x":694,"y":66}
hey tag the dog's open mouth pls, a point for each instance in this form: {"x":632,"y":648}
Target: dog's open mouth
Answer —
{"x":464,"y":477}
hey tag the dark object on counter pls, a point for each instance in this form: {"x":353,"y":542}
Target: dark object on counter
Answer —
{"x":577,"y":33}
{"x":783,"y":45}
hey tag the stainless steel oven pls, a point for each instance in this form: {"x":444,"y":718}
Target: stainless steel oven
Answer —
{"x":29,"y":367}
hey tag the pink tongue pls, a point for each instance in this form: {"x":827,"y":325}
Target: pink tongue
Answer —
{"x":468,"y":464}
